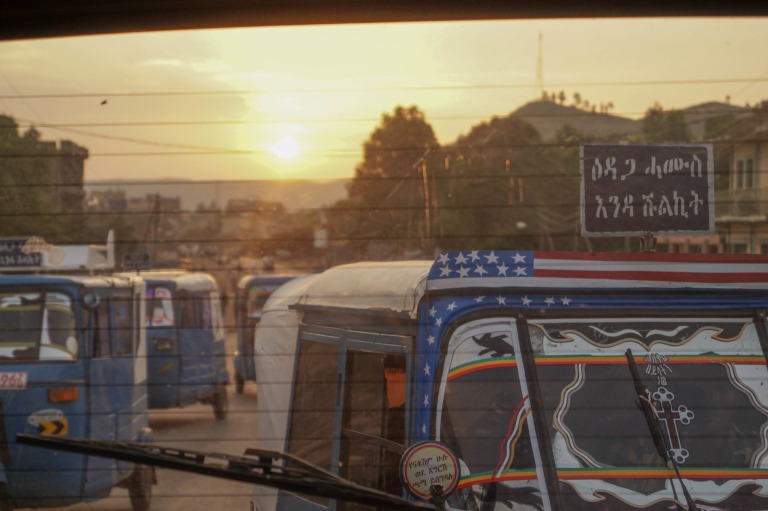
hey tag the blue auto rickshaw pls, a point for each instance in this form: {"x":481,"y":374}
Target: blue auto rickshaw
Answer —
{"x":72,"y":364}
{"x":252,"y":293}
{"x":185,"y":332}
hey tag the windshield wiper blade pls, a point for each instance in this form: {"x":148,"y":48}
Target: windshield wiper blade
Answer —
{"x":257,"y":466}
{"x":659,"y":439}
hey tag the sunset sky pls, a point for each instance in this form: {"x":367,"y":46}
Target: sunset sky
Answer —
{"x":219,"y":104}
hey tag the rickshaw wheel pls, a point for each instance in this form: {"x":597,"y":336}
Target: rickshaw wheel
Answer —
{"x":239,"y":384}
{"x":220,"y":402}
{"x":140,"y":488}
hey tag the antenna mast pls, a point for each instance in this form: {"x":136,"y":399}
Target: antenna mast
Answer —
{"x":540,"y":72}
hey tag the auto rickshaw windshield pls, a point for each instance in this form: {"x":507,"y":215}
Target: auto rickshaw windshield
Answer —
{"x":38,"y":326}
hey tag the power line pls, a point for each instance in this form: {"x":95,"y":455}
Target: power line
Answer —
{"x":569,"y":112}
{"x":102,"y":95}
{"x":336,"y":120}
{"x":330,"y":153}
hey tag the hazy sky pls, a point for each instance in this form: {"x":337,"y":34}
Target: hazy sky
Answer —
{"x":210,"y":104}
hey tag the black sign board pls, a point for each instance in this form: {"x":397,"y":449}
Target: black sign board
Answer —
{"x":136,"y":261}
{"x":15,"y":253}
{"x":631,"y":190}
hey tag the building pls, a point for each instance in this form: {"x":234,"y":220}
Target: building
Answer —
{"x":66,"y":170}
{"x":742,"y":209}
{"x":107,"y":201}
{"x":154,"y":203}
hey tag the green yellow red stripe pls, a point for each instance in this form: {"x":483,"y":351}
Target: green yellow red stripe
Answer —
{"x":655,"y":473}
{"x":481,"y":365}
{"x":493,"y":363}
{"x":488,"y":477}
{"x":618,"y":473}
{"x":671,"y":359}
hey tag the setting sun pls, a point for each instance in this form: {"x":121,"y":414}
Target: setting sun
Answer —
{"x":285,"y":148}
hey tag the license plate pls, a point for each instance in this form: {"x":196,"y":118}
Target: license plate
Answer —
{"x":14,"y":380}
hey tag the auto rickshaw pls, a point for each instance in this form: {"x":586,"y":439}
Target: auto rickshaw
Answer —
{"x":185,"y":332}
{"x":252,"y":293}
{"x":72,"y":364}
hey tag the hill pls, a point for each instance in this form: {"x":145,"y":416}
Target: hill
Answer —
{"x":697,"y":115}
{"x":548,"y":117}
{"x":293,"y":195}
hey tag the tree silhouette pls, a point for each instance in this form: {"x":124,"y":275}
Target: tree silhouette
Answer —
{"x":661,"y":126}
{"x":485,"y":187}
{"x":387,"y":194}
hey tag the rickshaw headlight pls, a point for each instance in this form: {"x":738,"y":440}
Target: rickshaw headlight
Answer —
{"x":62,"y":395}
{"x":163,"y":345}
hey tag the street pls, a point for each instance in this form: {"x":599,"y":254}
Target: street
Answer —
{"x":195,"y":428}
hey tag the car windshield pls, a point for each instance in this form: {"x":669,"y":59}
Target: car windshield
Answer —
{"x":297,"y":147}
{"x":37,"y":326}
{"x":280,"y":146}
{"x":257,"y":297}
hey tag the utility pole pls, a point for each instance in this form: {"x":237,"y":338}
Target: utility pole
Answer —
{"x":151,"y":231}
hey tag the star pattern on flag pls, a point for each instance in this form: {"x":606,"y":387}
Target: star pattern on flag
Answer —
{"x":482,"y":264}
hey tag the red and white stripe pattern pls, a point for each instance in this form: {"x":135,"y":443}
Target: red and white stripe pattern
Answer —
{"x":575,"y":269}
{"x":681,"y":268}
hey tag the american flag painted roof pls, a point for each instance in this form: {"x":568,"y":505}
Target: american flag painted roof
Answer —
{"x":493,"y":268}
{"x":399,"y":286}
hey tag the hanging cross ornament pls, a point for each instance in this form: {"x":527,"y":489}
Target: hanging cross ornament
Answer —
{"x":662,"y":400}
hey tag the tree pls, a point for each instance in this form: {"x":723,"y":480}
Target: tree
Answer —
{"x":483,"y":191}
{"x":661,"y":126}
{"x":386,"y":195}
{"x":718,"y":126}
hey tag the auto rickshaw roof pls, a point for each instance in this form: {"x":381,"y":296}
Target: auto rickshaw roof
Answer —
{"x":399,"y":286}
{"x":181,"y":279}
{"x":34,"y":279}
{"x":388,"y":286}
